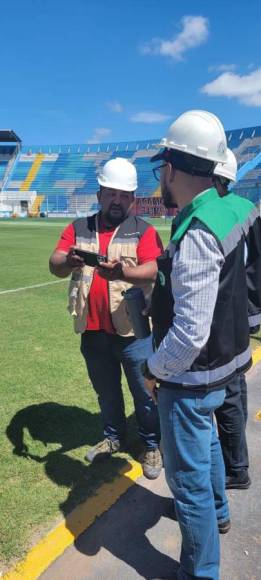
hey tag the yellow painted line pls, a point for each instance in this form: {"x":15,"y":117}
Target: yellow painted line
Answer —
{"x":53,"y":545}
{"x":258,"y":416}
{"x":157,"y":192}
{"x":256,"y":355}
{"x":37,"y":204}
{"x":32,"y":172}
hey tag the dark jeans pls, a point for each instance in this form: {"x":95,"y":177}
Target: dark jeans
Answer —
{"x":104,"y":354}
{"x":231,"y":420}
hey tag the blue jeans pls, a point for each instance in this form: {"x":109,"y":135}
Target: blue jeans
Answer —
{"x":104,"y":354}
{"x":195,"y":474}
{"x":231,"y":420}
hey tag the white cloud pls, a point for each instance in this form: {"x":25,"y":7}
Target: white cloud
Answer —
{"x":222,"y":68}
{"x":99,"y":134}
{"x":245,"y":88}
{"x":195,"y":31}
{"x":149,"y":117}
{"x":115,"y":107}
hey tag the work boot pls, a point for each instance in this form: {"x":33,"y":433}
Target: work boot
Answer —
{"x":241,"y":481}
{"x":224,"y":527}
{"x":103,"y":449}
{"x":151,"y":462}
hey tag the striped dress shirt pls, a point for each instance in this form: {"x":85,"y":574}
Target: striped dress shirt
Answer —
{"x":196,"y":267}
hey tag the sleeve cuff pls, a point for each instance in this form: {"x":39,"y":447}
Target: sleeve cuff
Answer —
{"x":254,"y":319}
{"x":156,"y":370}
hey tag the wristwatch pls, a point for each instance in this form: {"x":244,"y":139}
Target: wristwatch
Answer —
{"x":146,"y":371}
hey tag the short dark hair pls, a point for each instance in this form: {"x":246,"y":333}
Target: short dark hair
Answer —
{"x":224,"y":181}
{"x":186,"y":162}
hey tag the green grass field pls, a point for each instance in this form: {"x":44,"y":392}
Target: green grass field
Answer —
{"x":49,"y":413}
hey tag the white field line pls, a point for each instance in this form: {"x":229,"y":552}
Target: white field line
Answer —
{"x":33,"y":224}
{"x":62,"y":225}
{"x":34,"y":286}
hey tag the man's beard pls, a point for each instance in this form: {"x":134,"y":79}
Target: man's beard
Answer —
{"x":167,"y":197}
{"x":114,"y":220}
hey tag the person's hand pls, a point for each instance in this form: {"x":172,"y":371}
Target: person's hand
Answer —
{"x":73,"y":260}
{"x":151,"y":387}
{"x":111,"y":270}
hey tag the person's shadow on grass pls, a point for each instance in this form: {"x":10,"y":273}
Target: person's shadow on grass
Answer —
{"x":54,"y":425}
{"x":39,"y":429}
{"x":46,"y":433}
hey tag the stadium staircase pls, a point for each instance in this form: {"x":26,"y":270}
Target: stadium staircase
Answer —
{"x":249,"y":166}
{"x":26,"y":185}
{"x":36,"y":206}
{"x":157,"y":192}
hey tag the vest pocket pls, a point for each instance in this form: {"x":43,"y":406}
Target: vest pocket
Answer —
{"x":79,"y":288}
{"x":121,"y":320}
{"x":126,"y":253}
{"x":73,"y":292}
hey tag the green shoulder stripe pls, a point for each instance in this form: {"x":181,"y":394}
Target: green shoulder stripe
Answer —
{"x":212,"y":211}
{"x":243,"y":207}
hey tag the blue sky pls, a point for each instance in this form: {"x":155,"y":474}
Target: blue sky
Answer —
{"x":77,"y":71}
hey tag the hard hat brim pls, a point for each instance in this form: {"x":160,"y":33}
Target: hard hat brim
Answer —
{"x":118,"y":186}
{"x":159,"y":156}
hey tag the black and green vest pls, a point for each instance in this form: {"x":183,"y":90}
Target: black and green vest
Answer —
{"x":226,"y":352}
{"x":251,"y":224}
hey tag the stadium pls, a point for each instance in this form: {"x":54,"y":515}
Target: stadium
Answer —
{"x":42,"y":189}
{"x":124,"y":457}
{"x":61,"y":181}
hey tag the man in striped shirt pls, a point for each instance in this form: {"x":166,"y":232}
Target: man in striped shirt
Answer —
{"x":199,"y":312}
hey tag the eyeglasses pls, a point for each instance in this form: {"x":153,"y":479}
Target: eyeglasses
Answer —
{"x":156,"y":171}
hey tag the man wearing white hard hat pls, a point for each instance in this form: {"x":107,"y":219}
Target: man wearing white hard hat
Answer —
{"x":99,"y":309}
{"x":199,"y":312}
{"x":225,"y":173}
{"x":232,"y":415}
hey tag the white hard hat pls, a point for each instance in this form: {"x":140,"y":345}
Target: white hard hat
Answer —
{"x":198,"y":133}
{"x":118,"y":173}
{"x":228,"y":169}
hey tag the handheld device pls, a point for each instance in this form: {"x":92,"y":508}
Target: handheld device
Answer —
{"x":91,"y":258}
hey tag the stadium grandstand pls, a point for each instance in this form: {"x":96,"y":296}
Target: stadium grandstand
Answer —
{"x":61,"y":180}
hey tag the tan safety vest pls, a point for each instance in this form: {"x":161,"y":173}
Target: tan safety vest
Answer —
{"x":123,"y":247}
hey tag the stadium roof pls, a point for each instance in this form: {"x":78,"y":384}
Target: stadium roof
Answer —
{"x":9,"y":136}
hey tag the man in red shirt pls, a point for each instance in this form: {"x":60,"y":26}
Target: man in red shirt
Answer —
{"x":99,"y":309}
